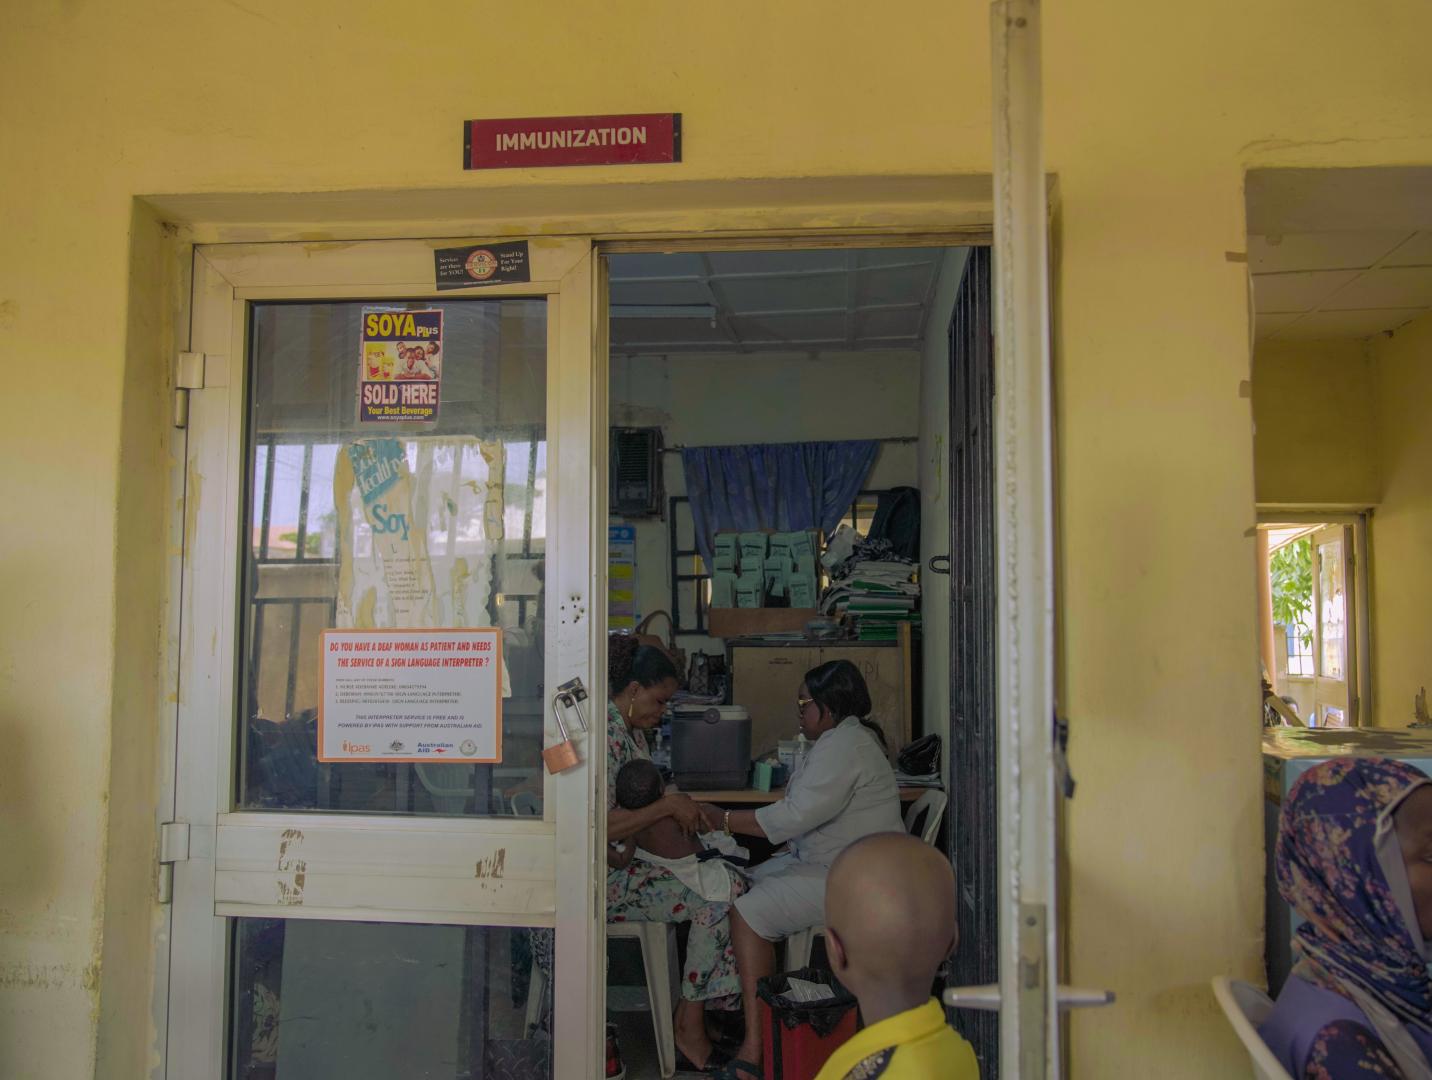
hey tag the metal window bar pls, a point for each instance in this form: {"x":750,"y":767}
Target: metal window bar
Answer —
{"x":527,"y":515}
{"x":698,"y":580}
{"x":268,"y":500}
{"x":270,"y":444}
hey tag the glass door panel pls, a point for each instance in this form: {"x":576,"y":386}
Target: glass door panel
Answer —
{"x":456,"y":537}
{"x":319,"y":1000}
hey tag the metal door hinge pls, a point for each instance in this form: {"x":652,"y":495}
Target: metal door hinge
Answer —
{"x":188,"y":375}
{"x":173,"y":848}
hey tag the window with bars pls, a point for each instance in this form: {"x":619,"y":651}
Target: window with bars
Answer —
{"x":295,"y":563}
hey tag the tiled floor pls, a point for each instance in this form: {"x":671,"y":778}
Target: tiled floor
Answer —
{"x":638,"y":1043}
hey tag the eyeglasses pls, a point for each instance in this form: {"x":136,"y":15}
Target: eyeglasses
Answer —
{"x":802,"y":702}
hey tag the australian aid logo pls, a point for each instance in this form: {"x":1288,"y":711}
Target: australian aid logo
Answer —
{"x":402,"y":362}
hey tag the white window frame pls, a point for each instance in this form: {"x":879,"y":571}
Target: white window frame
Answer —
{"x":1361,"y":704}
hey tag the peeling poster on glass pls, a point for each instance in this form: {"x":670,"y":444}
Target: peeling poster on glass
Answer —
{"x":411,"y":695}
{"x":402,"y":364}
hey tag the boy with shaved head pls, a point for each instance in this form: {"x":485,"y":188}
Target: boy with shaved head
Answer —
{"x":889,"y":924}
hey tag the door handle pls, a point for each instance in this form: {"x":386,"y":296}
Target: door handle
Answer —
{"x":939,"y":559}
{"x":986,"y":998}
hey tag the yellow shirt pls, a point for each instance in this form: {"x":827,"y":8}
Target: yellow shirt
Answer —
{"x":913,"y":1045}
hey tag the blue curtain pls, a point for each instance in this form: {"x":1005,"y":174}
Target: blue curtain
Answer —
{"x":780,"y":486}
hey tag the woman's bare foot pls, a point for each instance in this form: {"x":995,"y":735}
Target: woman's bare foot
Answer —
{"x":691,"y":1037}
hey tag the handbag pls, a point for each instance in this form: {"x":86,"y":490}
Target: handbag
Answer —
{"x":675,"y":655}
{"x":921,"y":757}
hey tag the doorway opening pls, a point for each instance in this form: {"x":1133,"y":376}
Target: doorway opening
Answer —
{"x":831,"y":408}
{"x":1313,"y":621}
{"x":1341,"y":265}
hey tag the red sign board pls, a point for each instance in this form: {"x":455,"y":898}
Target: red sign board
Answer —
{"x":537,"y":142}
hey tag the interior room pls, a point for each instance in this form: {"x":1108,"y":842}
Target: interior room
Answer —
{"x":759,"y":396}
{"x":1341,"y":265}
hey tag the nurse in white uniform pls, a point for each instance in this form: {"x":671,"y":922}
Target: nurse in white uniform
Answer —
{"x":842,"y":790}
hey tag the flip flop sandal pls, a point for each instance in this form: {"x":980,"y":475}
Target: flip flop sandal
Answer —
{"x":715,"y":1060}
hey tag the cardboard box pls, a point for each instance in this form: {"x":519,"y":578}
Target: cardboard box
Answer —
{"x":753,"y":622}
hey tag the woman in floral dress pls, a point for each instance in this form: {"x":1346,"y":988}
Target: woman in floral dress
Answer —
{"x":641,"y":680}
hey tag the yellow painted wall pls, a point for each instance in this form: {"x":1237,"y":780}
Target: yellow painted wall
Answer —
{"x":1153,"y":115}
{"x":1315,"y":434}
{"x":1400,"y":534}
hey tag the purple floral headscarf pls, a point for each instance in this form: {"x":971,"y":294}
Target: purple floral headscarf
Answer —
{"x":1355,"y":939}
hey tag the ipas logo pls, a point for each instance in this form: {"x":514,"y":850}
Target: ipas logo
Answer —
{"x":481,"y":264}
{"x":356,"y":747}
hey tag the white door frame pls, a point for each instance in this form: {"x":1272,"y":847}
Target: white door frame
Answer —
{"x":1029,"y":999}
{"x":239,"y":863}
{"x":1360,"y":644}
{"x":1024,"y":545}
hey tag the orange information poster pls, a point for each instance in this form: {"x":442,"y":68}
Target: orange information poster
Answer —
{"x":411,"y":695}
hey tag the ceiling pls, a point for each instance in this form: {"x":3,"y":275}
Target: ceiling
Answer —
{"x":772,"y":301}
{"x":1339,"y":253}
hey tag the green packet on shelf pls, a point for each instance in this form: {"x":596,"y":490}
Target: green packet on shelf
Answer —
{"x":761,"y":776}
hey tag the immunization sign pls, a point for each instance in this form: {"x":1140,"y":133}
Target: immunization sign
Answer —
{"x":411,"y":695}
{"x":545,"y":141}
{"x":402,"y":366}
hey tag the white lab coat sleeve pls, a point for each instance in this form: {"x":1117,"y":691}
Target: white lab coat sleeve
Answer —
{"x":825,"y":786}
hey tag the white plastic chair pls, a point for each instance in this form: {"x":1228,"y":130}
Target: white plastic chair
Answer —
{"x":448,"y":782}
{"x":526,"y":804}
{"x":1246,"y":1008}
{"x":658,"y":959}
{"x":800,"y":944}
{"x":934,"y":801}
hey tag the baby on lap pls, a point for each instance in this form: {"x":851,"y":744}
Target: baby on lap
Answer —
{"x":701,"y":866}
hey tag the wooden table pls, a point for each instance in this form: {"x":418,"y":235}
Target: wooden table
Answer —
{"x":752,"y":797}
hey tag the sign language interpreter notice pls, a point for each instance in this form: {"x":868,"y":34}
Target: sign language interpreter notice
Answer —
{"x":411,"y":695}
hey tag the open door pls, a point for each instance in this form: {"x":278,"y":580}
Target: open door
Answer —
{"x":1334,"y":656}
{"x":373,"y":873}
{"x":1027,"y":996}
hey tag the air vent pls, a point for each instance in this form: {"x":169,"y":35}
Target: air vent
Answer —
{"x":636,"y":472}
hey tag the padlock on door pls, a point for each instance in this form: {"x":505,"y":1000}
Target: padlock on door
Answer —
{"x":563,"y":755}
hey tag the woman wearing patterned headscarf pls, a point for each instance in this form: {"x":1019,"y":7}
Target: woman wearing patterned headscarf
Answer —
{"x":1354,"y":859}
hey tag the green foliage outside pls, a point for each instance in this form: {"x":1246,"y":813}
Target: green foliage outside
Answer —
{"x":310,"y":542}
{"x":1291,"y":569}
